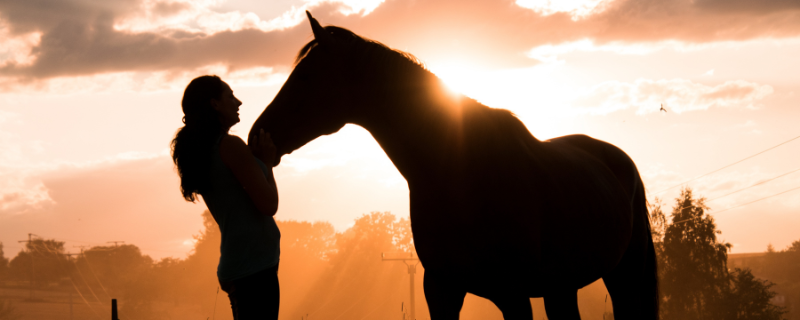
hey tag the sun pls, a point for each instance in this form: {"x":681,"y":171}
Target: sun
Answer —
{"x":458,"y":77}
{"x":534,"y":94}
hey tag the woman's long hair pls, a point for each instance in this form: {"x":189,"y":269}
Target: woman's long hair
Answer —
{"x":193,"y":144}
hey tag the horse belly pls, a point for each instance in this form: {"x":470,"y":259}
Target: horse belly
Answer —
{"x":586,"y":227}
{"x":583,"y":247}
{"x":507,"y":233}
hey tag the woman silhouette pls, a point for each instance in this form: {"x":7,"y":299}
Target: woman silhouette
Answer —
{"x":238,"y":187}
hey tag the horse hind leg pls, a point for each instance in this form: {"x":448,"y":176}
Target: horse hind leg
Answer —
{"x":562,"y":306}
{"x":633,"y":284}
{"x":444,"y":296}
{"x":631,"y":288}
{"x":514,"y":307}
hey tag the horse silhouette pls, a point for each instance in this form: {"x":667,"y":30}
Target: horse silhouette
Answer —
{"x":494,"y":211}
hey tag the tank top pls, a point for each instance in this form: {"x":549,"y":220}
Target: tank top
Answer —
{"x":250,"y":239}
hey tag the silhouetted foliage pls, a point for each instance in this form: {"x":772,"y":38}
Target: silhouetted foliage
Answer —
{"x":658,"y":221}
{"x":356,"y":275}
{"x":42,"y":261}
{"x":695,"y":280}
{"x":114,"y":266}
{"x":316,"y":240}
{"x":3,"y":264}
{"x":197,"y":274}
{"x":783,"y":268}
{"x":749,"y":298}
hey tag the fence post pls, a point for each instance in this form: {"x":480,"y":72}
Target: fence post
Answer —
{"x":114,"y":309}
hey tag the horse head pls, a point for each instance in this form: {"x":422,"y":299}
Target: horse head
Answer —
{"x":316,"y":99}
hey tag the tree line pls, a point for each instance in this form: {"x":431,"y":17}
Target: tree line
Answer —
{"x":695,"y":280}
{"x":328,"y":275}
{"x":317,"y":264}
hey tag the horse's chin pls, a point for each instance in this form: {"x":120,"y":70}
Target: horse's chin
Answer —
{"x":277,"y":161}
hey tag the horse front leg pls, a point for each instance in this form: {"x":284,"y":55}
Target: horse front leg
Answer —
{"x":444,"y":296}
{"x":562,"y":305}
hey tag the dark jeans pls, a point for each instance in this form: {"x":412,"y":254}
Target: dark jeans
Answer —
{"x":256,"y":296}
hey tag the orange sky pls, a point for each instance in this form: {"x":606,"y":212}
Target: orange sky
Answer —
{"x":90,"y":91}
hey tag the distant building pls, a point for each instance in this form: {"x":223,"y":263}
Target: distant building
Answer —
{"x":757,"y":263}
{"x":751,"y":260}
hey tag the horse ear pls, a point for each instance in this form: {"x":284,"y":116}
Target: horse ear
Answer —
{"x":322,"y":36}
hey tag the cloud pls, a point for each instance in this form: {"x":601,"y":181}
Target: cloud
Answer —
{"x":86,"y":37}
{"x":16,"y":48}
{"x":201,"y":18}
{"x":549,"y":53}
{"x":80,"y":37}
{"x":23,"y":186}
{"x":677,"y":95}
{"x":20,"y":194}
{"x":576,"y":8}
{"x":135,"y":197}
{"x":140,"y":82}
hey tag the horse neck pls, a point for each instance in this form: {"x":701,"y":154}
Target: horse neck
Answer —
{"x":416,"y":121}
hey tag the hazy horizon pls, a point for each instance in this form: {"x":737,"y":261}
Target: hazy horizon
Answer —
{"x":89,"y":100}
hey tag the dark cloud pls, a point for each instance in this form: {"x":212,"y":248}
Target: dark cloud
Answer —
{"x":171,"y":8}
{"x":47,"y":15}
{"x":748,"y":6}
{"x":83,"y":41}
{"x":79,"y":38}
{"x":77,"y":48}
{"x":692,"y":21}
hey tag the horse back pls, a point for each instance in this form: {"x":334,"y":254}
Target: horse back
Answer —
{"x":587,"y":188}
{"x":612,"y":157}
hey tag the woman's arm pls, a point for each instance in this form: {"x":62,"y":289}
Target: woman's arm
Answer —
{"x":239,"y":158}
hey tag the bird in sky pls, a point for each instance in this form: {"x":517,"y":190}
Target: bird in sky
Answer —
{"x":662,"y":108}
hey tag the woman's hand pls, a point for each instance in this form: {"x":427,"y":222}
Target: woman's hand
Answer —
{"x":259,"y":185}
{"x":263,"y":148}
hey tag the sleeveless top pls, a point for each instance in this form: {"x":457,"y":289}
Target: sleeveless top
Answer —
{"x":250,"y":239}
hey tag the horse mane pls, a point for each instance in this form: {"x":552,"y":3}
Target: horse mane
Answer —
{"x":363,"y":43}
{"x":378,"y":53}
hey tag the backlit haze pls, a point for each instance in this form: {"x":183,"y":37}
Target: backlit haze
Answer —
{"x":90,"y":99}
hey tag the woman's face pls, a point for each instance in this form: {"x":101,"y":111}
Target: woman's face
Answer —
{"x":227,"y":107}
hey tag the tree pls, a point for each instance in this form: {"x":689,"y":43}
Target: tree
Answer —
{"x":749,"y":298}
{"x":3,"y":264}
{"x":781,"y":267}
{"x":42,"y":261}
{"x":658,"y":220}
{"x":695,"y":280}
{"x":198,"y":272}
{"x":357,"y":283}
{"x":120,"y":272}
{"x":113,"y":266}
{"x":312,"y":240}
{"x":694,"y":268}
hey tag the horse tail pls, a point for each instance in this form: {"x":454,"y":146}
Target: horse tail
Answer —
{"x":651,"y":261}
{"x":633,"y":284}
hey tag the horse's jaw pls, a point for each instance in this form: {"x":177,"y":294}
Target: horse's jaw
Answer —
{"x":279,"y":156}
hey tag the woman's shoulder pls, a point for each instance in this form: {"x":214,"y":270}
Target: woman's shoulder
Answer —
{"x":233,"y":149}
{"x":229,"y":140}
